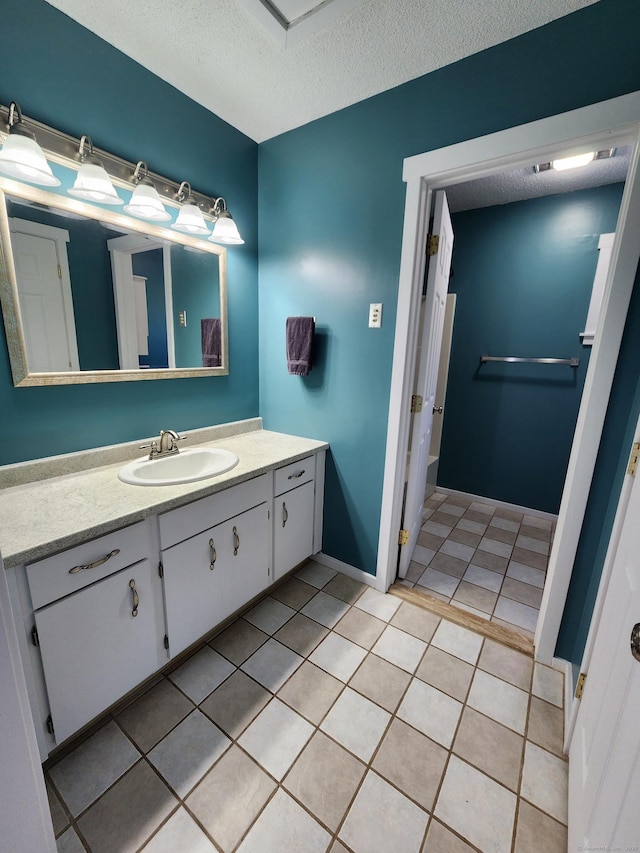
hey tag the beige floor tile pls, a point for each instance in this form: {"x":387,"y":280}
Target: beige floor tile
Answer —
{"x":546,"y":725}
{"x":239,"y":641}
{"x":505,"y":663}
{"x":284,"y":825}
{"x":525,"y":593}
{"x":451,"y":508}
{"x":457,"y":641}
{"x":423,"y":555}
{"x":269,"y":615}
{"x":202,"y":673}
{"x":474,"y":515}
{"x":361,"y":739}
{"x":86,"y":773}
{"x":154,"y":714}
{"x":499,"y":549}
{"x":446,"y":672}
{"x":440,"y":839}
{"x":511,"y":514}
{"x":449,"y":565}
{"x":444,"y":518}
{"x":346,"y":588}
{"x":235,"y":703}
{"x":415,"y":620}
{"x":230,"y":797}
{"x":548,"y":684}
{"x":544,"y":781}
{"x":311,"y":692}
{"x":316,"y":574}
{"x":399,"y":648}
{"x":526,"y":574}
{"x":475,"y":596}
{"x":58,"y":815}
{"x":518,"y":630}
{"x":476,"y":527}
{"x":430,"y":711}
{"x":360,"y":627}
{"x":437,"y":581}
{"x":382,"y":820}
{"x":517,"y":614}
{"x":531,"y":544}
{"x":500,"y":534}
{"x":324,"y":779}
{"x":69,"y":842}
{"x":529,"y":558}
{"x":381,"y":682}
{"x":476,"y":807}
{"x":301,"y":634}
{"x":458,"y":549}
{"x":294,"y":593}
{"x":506,"y":523}
{"x":414,"y":571}
{"x":493,"y":562}
{"x":412,"y":762}
{"x":180,"y":832}
{"x":483,"y":577}
{"x":535,"y":532}
{"x":338,"y":656}
{"x":126,"y":816}
{"x":188,"y":752}
{"x":272,"y":665}
{"x":465,"y":537}
{"x":484,"y":508}
{"x":337,"y":847}
{"x":430,"y":540}
{"x":325,"y":609}
{"x":276,"y":737}
{"x":490,"y":747}
{"x":536,"y":831}
{"x":378,"y":604}
{"x":499,"y":700}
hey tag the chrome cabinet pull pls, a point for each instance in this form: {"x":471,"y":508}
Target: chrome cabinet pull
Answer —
{"x":214,"y":556}
{"x":136,"y":600}
{"x":95,"y":563}
{"x":285,"y":514}
{"x":236,"y":541}
{"x":296,"y":475}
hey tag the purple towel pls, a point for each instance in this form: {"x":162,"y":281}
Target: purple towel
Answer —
{"x":211,"y":335}
{"x":300,"y":331}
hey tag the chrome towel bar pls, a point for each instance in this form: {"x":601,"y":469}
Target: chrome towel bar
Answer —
{"x":572,"y":362}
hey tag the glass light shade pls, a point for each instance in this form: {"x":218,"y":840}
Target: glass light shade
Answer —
{"x":573,"y":162}
{"x":93,"y":184}
{"x":190,"y":220}
{"x":225,"y":230}
{"x":21,"y":157}
{"x":146,"y":204}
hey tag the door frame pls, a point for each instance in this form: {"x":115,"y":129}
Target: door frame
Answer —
{"x":606,"y":123}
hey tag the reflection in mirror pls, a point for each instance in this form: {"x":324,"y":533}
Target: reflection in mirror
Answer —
{"x":98,"y":300}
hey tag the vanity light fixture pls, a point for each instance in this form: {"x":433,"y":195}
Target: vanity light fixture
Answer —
{"x":225,"y":229}
{"x":145,"y":201}
{"x":93,"y":183}
{"x":190,"y":219}
{"x":21,"y":156}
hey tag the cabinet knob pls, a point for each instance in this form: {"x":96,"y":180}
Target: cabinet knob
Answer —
{"x":136,"y":599}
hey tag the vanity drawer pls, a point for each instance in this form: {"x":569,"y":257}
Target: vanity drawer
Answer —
{"x":53,"y":577}
{"x":293,"y":475}
{"x":186,"y":521}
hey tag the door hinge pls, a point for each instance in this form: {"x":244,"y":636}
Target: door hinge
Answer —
{"x":166,"y":641}
{"x":161,"y":569}
{"x":580,"y":685}
{"x":403,"y":537}
{"x":633,"y":461}
{"x":49,"y":725}
{"x":35,"y":639}
{"x":433,"y":242}
{"x":416,"y":404}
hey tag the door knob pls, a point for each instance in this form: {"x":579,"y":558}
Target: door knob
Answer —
{"x":635,"y":641}
{"x":437,"y":410}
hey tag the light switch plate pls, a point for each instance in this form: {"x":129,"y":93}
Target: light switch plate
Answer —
{"x":375,"y":315}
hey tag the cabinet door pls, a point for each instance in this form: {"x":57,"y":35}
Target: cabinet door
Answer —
{"x":246,"y":560}
{"x":94,"y":650}
{"x":292,"y":528}
{"x":193,"y":588}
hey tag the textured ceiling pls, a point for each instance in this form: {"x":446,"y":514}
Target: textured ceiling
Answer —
{"x":220,"y":55}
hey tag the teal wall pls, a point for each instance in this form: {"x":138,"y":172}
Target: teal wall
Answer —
{"x":196,"y":290}
{"x":63,"y":75}
{"x":331,"y":210}
{"x":523,"y":275}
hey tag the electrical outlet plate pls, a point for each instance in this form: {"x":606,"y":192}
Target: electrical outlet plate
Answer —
{"x":375,"y":315}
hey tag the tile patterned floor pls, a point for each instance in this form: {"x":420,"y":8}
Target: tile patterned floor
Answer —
{"x":329,"y":718}
{"x":483,"y":558}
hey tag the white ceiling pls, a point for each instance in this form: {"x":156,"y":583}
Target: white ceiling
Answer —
{"x":265,"y":69}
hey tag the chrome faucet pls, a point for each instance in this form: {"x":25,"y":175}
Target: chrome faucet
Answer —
{"x":168,"y":444}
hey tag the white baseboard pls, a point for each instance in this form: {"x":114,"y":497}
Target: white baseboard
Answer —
{"x":345,"y":568}
{"x":525,"y":510}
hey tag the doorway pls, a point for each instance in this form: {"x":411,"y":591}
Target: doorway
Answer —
{"x":606,"y":123}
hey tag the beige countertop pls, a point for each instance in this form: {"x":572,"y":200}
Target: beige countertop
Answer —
{"x":41,"y":518}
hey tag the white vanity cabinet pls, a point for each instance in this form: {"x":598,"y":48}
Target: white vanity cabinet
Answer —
{"x":294,"y":505}
{"x":210,"y":575}
{"x":99,"y":625}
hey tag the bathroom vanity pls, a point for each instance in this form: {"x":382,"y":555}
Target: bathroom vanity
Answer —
{"x":110,"y":581}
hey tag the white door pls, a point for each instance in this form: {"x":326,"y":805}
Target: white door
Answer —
{"x":46,"y":308}
{"x":604,"y":758}
{"x":427,"y":376}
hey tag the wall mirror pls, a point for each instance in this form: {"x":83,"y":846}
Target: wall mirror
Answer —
{"x":89,"y":295}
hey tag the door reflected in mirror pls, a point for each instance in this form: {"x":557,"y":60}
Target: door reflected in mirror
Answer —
{"x":96,"y":295}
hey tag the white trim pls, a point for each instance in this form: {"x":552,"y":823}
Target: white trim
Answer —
{"x":605,"y":124}
{"x":525,"y":510}
{"x":345,"y":568}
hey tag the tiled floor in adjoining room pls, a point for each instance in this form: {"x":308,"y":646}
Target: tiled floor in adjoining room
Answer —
{"x":483,"y":558}
{"x":333,"y":718}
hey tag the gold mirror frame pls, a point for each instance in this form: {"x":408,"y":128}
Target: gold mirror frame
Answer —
{"x":11,"y":306}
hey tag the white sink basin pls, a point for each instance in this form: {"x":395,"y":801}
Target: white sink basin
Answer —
{"x":196,"y":463}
